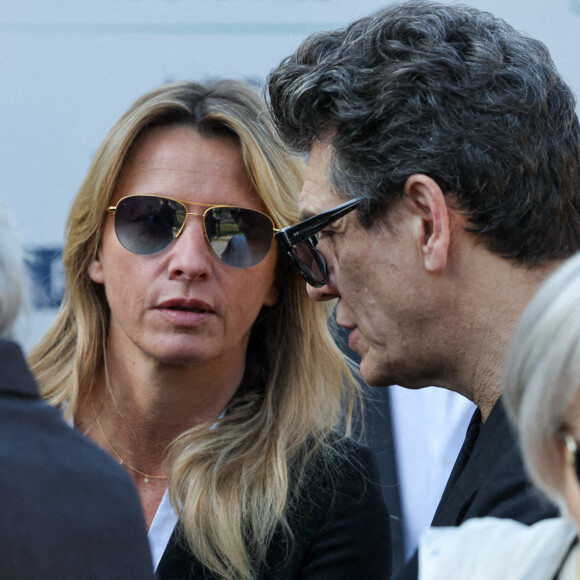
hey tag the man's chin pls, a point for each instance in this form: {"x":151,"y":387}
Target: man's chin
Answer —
{"x":371,"y":374}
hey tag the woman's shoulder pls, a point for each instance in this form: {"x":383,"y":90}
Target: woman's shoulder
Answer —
{"x":343,"y":474}
{"x":344,"y":458}
{"x":339,"y":520}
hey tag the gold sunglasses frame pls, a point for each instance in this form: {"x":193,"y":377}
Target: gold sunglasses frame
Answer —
{"x":113,"y":208}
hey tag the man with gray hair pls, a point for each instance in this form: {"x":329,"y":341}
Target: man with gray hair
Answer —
{"x":67,"y":510}
{"x":442,"y":186}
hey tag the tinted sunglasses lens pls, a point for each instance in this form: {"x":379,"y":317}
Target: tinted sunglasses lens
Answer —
{"x":146,"y":224}
{"x":240,"y":237}
{"x":311,"y":262}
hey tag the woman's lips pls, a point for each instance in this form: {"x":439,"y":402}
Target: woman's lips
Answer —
{"x":185,"y":311}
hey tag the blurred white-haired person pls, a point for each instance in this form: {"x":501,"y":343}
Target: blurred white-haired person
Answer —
{"x":13,"y":281}
{"x":541,"y":390}
{"x":66,"y":509}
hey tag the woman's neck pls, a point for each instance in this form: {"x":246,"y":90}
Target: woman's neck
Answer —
{"x":137,"y":408}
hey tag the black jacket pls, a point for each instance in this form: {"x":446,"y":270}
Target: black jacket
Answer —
{"x":341,"y":530}
{"x":488,"y":479}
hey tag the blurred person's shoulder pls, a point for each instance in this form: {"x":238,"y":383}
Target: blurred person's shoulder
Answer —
{"x":484,"y":548}
{"x":66,"y":508}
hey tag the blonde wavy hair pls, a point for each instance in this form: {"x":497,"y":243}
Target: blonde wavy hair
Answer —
{"x":236,"y":485}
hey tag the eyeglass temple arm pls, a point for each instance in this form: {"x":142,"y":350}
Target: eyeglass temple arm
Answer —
{"x":314,"y":224}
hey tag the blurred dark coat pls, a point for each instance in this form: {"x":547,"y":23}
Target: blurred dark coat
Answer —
{"x":67,"y":510}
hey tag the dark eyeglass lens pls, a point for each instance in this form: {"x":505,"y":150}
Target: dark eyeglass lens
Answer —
{"x":145,"y":225}
{"x":311,"y":262}
{"x":240,"y":237}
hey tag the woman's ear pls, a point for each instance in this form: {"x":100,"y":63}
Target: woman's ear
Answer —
{"x":428,"y":202}
{"x":272,"y":296}
{"x":96,"y":271}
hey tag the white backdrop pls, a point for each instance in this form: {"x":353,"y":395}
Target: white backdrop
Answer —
{"x":69,"y":69}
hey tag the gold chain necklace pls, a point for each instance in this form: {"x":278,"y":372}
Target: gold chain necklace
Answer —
{"x":146,"y":476}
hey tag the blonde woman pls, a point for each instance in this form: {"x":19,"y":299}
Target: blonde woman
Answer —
{"x":187,"y":348}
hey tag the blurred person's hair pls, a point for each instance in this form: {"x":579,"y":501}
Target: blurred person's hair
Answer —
{"x":14,"y":278}
{"x":542,"y":376}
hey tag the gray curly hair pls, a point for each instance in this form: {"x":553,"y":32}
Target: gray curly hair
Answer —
{"x":450,"y":92}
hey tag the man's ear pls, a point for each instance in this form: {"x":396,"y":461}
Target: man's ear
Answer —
{"x":96,"y":271}
{"x":428,"y":202}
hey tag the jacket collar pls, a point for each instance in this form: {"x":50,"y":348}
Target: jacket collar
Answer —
{"x":15,"y":376}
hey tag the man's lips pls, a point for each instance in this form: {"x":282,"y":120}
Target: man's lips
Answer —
{"x":351,"y":335}
{"x":351,"y":339}
{"x":345,"y":324}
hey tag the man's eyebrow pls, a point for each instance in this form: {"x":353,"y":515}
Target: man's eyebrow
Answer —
{"x":305,"y":214}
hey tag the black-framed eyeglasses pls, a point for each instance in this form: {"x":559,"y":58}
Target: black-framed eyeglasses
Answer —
{"x":147,"y":224}
{"x":300,"y":241}
{"x":571,"y":451}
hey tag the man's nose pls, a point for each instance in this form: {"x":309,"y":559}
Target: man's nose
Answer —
{"x":327,"y":292}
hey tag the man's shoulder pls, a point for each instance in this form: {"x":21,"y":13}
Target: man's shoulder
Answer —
{"x":494,"y":481}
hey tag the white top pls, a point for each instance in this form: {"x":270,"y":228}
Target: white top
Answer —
{"x":164,"y":523}
{"x":493,"y":548}
{"x":429,"y":427}
{"x":161,"y":529}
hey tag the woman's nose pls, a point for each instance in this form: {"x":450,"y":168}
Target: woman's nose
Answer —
{"x":191,"y":255}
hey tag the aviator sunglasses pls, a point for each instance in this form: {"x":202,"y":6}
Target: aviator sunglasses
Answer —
{"x":147,"y":224}
{"x":300,"y":241}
